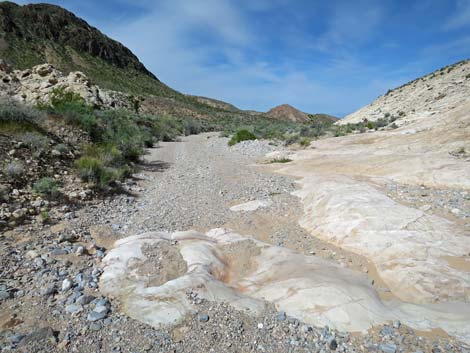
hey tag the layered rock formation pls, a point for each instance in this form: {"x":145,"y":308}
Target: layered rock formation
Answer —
{"x":343,"y":188}
{"x":222,"y":266}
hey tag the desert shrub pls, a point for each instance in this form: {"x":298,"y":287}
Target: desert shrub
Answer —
{"x":394,"y":126}
{"x":386,"y":115}
{"x":35,"y":141}
{"x":44,"y":216}
{"x":93,"y":171}
{"x":281,"y":160}
{"x":3,"y":193}
{"x":14,"y":170}
{"x":62,"y":100}
{"x":291,"y":139}
{"x":61,"y":148}
{"x":304,"y":142}
{"x":241,"y":135}
{"x":371,"y":125}
{"x":13,"y":112}
{"x":46,"y":187}
{"x":192,"y":127}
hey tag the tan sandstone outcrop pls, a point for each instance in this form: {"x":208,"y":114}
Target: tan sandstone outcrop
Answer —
{"x":37,"y":86}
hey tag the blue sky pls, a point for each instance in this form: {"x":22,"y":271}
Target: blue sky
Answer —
{"x":320,"y":56}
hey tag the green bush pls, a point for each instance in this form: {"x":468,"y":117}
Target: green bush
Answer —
{"x":281,"y":160}
{"x":242,"y":135}
{"x":46,"y":187}
{"x":304,"y":142}
{"x":92,"y":170}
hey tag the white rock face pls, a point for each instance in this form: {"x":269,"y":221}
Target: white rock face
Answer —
{"x":223,"y":266}
{"x":341,"y":189}
{"x":38,"y":84}
{"x":424,"y":98}
{"x":251,"y":205}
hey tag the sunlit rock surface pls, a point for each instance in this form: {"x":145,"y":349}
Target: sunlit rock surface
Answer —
{"x":250,"y":205}
{"x":152,"y":273}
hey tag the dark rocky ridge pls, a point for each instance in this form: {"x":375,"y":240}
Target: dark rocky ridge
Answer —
{"x":35,"y":23}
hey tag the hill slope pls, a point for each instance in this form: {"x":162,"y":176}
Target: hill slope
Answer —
{"x":430,"y":95}
{"x":38,"y":33}
{"x":287,"y":112}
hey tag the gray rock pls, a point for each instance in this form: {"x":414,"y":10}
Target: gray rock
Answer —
{"x":203,"y":317}
{"x":15,"y":338}
{"x":73,"y":308}
{"x":282,"y":316}
{"x":38,"y":262}
{"x":95,"y":326}
{"x":386,"y":331}
{"x":5,"y":294}
{"x":95,"y":316}
{"x":388,"y":348}
{"x":66,"y":285}
{"x":58,"y":252}
{"x":85,"y":299}
{"x":396,"y":324}
{"x":48,"y":291}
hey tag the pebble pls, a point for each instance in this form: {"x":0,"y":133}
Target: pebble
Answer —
{"x":203,"y":317}
{"x":73,"y":308}
{"x":66,"y":285}
{"x":388,"y":348}
{"x":282,"y":316}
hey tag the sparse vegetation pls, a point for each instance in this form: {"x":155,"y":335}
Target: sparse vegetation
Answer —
{"x":47,"y":187}
{"x":14,"y":170}
{"x":242,"y":135}
{"x":281,"y":160}
{"x":61,"y":148}
{"x":18,"y":116}
{"x":44,"y":216}
{"x":35,"y":141}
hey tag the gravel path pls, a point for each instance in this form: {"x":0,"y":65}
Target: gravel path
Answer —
{"x":49,"y":295}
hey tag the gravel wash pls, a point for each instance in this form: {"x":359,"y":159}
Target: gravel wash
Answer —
{"x":49,"y":284}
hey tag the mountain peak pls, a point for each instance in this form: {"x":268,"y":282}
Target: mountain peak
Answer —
{"x":287,"y":112}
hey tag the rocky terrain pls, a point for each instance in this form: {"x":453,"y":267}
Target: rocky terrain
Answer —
{"x":52,"y":275}
{"x":425,"y":98}
{"x":299,"y":243}
{"x":38,"y":85}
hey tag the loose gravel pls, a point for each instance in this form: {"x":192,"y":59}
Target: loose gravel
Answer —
{"x":49,"y":287}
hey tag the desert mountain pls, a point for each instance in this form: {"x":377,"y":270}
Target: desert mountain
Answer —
{"x":38,"y":34}
{"x":424,"y":97}
{"x":287,"y":112}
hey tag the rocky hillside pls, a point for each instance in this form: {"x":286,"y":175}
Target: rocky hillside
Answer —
{"x":38,"y":33}
{"x":287,"y":112}
{"x":427,"y":96}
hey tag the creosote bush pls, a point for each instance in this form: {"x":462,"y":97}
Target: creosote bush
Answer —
{"x":242,"y":135}
{"x":47,"y":187}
